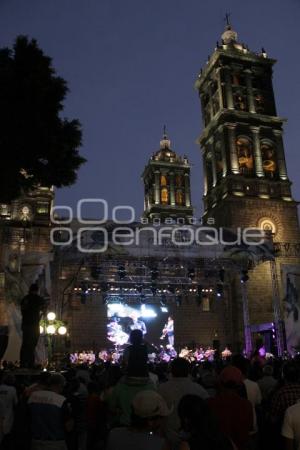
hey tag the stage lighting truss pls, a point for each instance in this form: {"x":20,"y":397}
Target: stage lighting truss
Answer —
{"x":149,"y":281}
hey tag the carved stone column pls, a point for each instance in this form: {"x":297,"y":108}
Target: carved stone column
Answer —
{"x":257,"y":152}
{"x":228,"y":88}
{"x":223,"y":150}
{"x":213,"y":162}
{"x":172,"y":189}
{"x":220,"y":93}
{"x":250,"y":97}
{"x":234,"y":164}
{"x":187,"y":190}
{"x":280,"y":155}
{"x":157,"y":187}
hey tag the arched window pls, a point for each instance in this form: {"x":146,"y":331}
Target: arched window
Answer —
{"x":245,"y":155}
{"x":240,"y":101}
{"x":179,"y":198}
{"x":164,"y":196}
{"x":163,"y":180}
{"x":268,"y":156}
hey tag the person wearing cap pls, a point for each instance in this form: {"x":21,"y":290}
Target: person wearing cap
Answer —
{"x":148,"y":410}
{"x":235,"y":414}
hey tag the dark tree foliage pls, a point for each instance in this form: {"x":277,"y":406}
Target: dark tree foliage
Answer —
{"x":38,"y":146}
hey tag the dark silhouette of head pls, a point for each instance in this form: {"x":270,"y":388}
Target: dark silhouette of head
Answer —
{"x":291,"y":372}
{"x":136,"y":337}
{"x":241,"y":363}
{"x":34,"y":288}
{"x":180,"y":367}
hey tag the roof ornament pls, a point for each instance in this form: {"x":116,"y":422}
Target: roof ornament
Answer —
{"x":165,"y":143}
{"x":229,"y":36}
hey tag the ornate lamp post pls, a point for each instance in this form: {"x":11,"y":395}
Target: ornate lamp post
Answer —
{"x":51,"y":327}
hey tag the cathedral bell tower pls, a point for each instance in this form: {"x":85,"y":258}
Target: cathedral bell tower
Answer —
{"x":245,"y":176}
{"x":167,"y":184}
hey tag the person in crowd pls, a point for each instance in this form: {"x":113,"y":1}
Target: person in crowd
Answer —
{"x":252,"y":388}
{"x":135,"y":380}
{"x":173,"y":390}
{"x":267,"y":383}
{"x":287,"y":395}
{"x":50,"y":416}
{"x":135,"y":356}
{"x":96,"y":416}
{"x":235,"y":414}
{"x":8,"y":397}
{"x":2,"y":417}
{"x":39,"y":385}
{"x":200,"y":426}
{"x":77,"y":394}
{"x":148,"y":409}
{"x":31,"y":307}
{"x":291,"y":428}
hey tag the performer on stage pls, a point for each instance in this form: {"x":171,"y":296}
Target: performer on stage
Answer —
{"x":115,"y":333}
{"x":136,"y":323}
{"x":168,"y":331}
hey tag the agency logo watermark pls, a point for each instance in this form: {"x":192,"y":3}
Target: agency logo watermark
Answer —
{"x":95,"y":236}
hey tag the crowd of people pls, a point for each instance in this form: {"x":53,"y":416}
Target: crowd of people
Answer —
{"x":234,"y":404}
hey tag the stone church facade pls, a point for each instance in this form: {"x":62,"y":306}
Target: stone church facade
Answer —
{"x":218,"y":295}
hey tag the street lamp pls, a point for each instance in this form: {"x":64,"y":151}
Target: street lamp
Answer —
{"x":51,"y":316}
{"x":49,"y":328}
{"x":62,"y":330}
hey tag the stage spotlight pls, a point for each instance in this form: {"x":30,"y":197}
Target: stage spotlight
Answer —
{"x":154,"y":273}
{"x":163,"y":300}
{"x":219,"y":290}
{"x":84,"y":288}
{"x":244,"y":276}
{"x":164,"y":309}
{"x":191,"y":273}
{"x":222,"y":275}
{"x":121,"y":272}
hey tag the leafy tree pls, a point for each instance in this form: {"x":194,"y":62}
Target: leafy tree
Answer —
{"x":37,"y":145}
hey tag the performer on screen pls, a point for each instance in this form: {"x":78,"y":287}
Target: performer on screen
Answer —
{"x":168,"y":331}
{"x":136,"y":323}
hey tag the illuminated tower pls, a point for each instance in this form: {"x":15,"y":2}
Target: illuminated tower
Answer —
{"x":245,"y":179}
{"x":245,"y":175}
{"x":167,"y":184}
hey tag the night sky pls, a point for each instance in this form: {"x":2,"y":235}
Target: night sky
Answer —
{"x":131,"y":67}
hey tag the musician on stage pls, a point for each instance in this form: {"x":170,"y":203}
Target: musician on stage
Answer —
{"x":136,"y":323}
{"x":168,"y":331}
